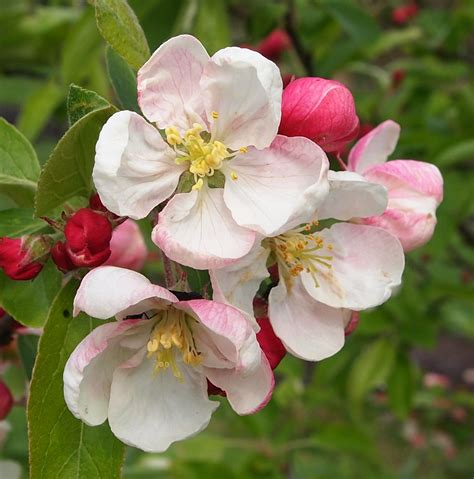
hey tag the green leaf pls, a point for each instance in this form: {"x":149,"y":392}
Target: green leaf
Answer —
{"x":120,"y":28}
{"x":199,"y":281}
{"x":68,"y":172}
{"x":38,"y":108}
{"x":29,"y":301}
{"x":60,"y":445}
{"x":17,"y":222}
{"x":80,"y":102}
{"x":19,"y":166}
{"x":460,"y":152}
{"x":361,"y":27}
{"x":123,"y":79}
{"x":27,"y":348}
{"x":401,"y":387}
{"x":212,"y":25}
{"x":370,"y":369}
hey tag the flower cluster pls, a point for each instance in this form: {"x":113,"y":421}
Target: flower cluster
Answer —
{"x":235,"y":175}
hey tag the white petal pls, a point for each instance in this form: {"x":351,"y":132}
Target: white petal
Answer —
{"x":238,"y":283}
{"x":196,"y":229}
{"x":375,"y":147}
{"x":309,"y":330}
{"x":278,"y":187}
{"x":89,"y":369}
{"x":247,"y":392}
{"x":268,"y":73}
{"x":352,"y":196}
{"x":367,"y":265}
{"x":246,"y":114}
{"x":168,"y":83}
{"x":109,"y":291}
{"x":151,"y":411}
{"x":226,"y":331}
{"x":134,"y":168}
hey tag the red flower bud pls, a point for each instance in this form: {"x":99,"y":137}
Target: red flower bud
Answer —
{"x":61,"y":257}
{"x":397,"y":77}
{"x":270,"y":343}
{"x":321,"y":110}
{"x":351,"y":326}
{"x":88,"y":236}
{"x":16,"y":259}
{"x":274,"y":44}
{"x":403,"y":14}
{"x":6,"y":400}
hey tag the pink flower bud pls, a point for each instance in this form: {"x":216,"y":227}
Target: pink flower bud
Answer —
{"x":321,"y":110}
{"x":16,"y":259}
{"x":403,"y":14}
{"x":274,"y":44}
{"x":6,"y":400}
{"x":351,"y":326}
{"x":128,"y":247}
{"x":88,"y":236}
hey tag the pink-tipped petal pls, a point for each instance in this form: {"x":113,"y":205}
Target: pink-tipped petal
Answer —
{"x":168,"y":84}
{"x":309,"y":330}
{"x":268,"y":73}
{"x":415,"y":189}
{"x":352,"y":196}
{"x":197,"y":229}
{"x":375,"y":147}
{"x":134,"y":168}
{"x":246,"y":110}
{"x":247,"y":392}
{"x":110,"y":291}
{"x":276,"y":188}
{"x":366,"y":265}
{"x":89,"y":369}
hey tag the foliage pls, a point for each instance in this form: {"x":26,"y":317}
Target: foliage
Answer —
{"x":364,"y":413}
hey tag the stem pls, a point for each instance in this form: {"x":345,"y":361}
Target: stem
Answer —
{"x":341,"y":162}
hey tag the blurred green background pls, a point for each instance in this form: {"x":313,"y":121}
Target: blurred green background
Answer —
{"x":397,"y":401}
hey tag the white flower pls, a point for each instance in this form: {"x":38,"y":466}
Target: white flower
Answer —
{"x":324,"y":274}
{"x":220,"y":117}
{"x":147,"y":373}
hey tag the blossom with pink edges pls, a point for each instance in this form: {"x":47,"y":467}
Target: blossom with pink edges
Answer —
{"x":147,"y":372}
{"x":324,"y":274}
{"x":219,"y":118}
{"x":415,"y":188}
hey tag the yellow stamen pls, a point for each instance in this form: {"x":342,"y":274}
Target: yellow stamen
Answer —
{"x":173,"y":334}
{"x":215,"y":115}
{"x":243,"y":149}
{"x":233,"y":175}
{"x":296,"y":251}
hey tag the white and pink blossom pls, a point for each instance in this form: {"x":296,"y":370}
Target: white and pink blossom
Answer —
{"x":147,"y":372}
{"x":211,"y":148}
{"x":415,"y":188}
{"x":324,"y":274}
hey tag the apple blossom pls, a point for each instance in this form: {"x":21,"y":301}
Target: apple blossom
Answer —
{"x":415,"y":188}
{"x":212,"y":150}
{"x":147,"y":372}
{"x":324,"y":274}
{"x":321,"y":110}
{"x":127,"y":246}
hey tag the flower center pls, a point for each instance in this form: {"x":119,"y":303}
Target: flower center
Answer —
{"x":173,"y":334}
{"x":299,"y":250}
{"x":204,"y":155}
